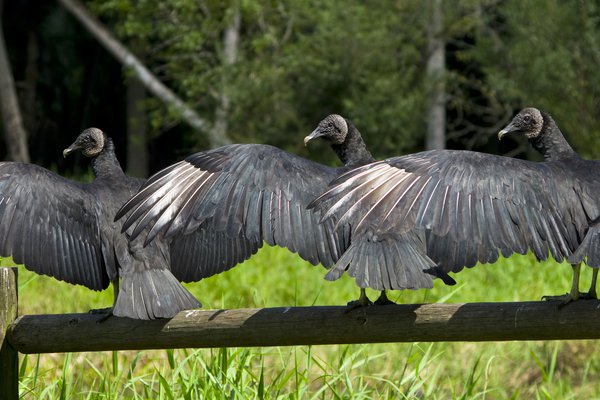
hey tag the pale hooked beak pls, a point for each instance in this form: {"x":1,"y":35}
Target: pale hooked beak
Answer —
{"x":314,"y":134}
{"x":69,"y":150}
{"x":502,"y":133}
{"x":507,"y":129}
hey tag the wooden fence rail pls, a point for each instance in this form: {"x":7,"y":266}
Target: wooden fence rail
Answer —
{"x":287,"y":326}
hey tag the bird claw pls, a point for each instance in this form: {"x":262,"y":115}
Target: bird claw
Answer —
{"x":588,"y":296}
{"x":363,"y":301}
{"x":359,"y":303}
{"x":100,"y":310}
{"x":383,"y":300}
{"x":569,"y":298}
{"x":105,"y":312}
{"x":564,"y":299}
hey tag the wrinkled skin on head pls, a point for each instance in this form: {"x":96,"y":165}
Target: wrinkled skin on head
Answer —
{"x":528,"y":122}
{"x":90,"y":142}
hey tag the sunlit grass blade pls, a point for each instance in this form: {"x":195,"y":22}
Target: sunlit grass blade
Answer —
{"x":165,"y":386}
{"x":64,"y":378}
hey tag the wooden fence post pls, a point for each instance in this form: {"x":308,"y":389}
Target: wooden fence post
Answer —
{"x":9,"y":357}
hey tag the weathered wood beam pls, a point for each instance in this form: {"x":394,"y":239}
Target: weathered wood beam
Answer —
{"x":310,"y":325}
{"x":9,"y":357}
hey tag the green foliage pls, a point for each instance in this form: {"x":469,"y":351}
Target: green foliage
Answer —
{"x":275,"y":277}
{"x":545,"y":54}
{"x":296,"y":62}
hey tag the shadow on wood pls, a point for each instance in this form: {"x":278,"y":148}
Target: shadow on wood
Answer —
{"x":310,"y":325}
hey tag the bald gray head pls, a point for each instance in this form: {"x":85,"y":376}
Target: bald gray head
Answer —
{"x":332,"y":128}
{"x":542,"y":132}
{"x":90,"y":142}
{"x":529,"y":122}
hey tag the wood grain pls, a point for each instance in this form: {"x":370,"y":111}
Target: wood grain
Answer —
{"x":287,"y":326}
{"x":9,"y":358}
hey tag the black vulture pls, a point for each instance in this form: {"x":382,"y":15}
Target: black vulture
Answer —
{"x":65,"y":229}
{"x":475,"y":206}
{"x":260,"y":193}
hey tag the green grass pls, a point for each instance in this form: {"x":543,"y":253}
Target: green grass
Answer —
{"x":275,"y":277}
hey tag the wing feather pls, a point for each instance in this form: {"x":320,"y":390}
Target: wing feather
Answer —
{"x":245,"y":194}
{"x":497,"y":205}
{"x":48,"y":223}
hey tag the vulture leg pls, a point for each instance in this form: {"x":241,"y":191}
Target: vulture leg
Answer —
{"x":383,"y":299}
{"x":108,"y":311}
{"x":115,"y":283}
{"x":591,"y":294}
{"x":573,"y":295}
{"x":362,"y":301}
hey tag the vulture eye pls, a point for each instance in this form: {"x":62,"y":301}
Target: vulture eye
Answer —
{"x":527,"y":118}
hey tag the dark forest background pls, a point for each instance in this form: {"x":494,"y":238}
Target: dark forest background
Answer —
{"x":410,"y":74}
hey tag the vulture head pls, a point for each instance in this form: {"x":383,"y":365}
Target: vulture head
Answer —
{"x":90,"y":142}
{"x":332,"y":128}
{"x":529,"y":122}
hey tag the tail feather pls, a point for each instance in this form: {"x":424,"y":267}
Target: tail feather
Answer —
{"x":589,"y":249}
{"x":151,"y":294}
{"x":440,"y":273}
{"x":391,"y":262}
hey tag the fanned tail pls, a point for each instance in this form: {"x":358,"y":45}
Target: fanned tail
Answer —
{"x":589,"y":249}
{"x":390,"y":262}
{"x":151,"y":294}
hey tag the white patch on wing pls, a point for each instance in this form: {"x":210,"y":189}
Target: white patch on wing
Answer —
{"x":383,"y":197}
{"x":175,"y":197}
{"x":373,"y":183}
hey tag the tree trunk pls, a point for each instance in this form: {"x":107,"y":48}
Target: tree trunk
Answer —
{"x":28,"y":87}
{"x":137,"y":130}
{"x":435,"y":75}
{"x":15,"y":133}
{"x":128,"y":59}
{"x":230,"y":50}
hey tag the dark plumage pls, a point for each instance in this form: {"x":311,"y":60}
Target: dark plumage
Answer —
{"x":255,"y":193}
{"x":475,"y":206}
{"x":65,"y":229}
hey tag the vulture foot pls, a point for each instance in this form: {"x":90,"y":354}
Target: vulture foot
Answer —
{"x":383,"y":300}
{"x":564,"y":299}
{"x":363,"y":301}
{"x":104,"y":312}
{"x":591,"y":295}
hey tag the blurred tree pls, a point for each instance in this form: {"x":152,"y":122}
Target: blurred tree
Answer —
{"x":546,"y":54}
{"x":231,"y":40}
{"x":435,"y":75}
{"x":473,"y":112}
{"x":63,"y":80}
{"x":269,"y":71}
{"x":140,"y":71}
{"x":14,"y":130}
{"x":137,"y":130}
{"x":293,"y":65}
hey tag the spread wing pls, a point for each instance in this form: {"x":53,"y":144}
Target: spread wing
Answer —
{"x":473,"y":205}
{"x":218,"y":207}
{"x":49,"y":224}
{"x":207,"y":252}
